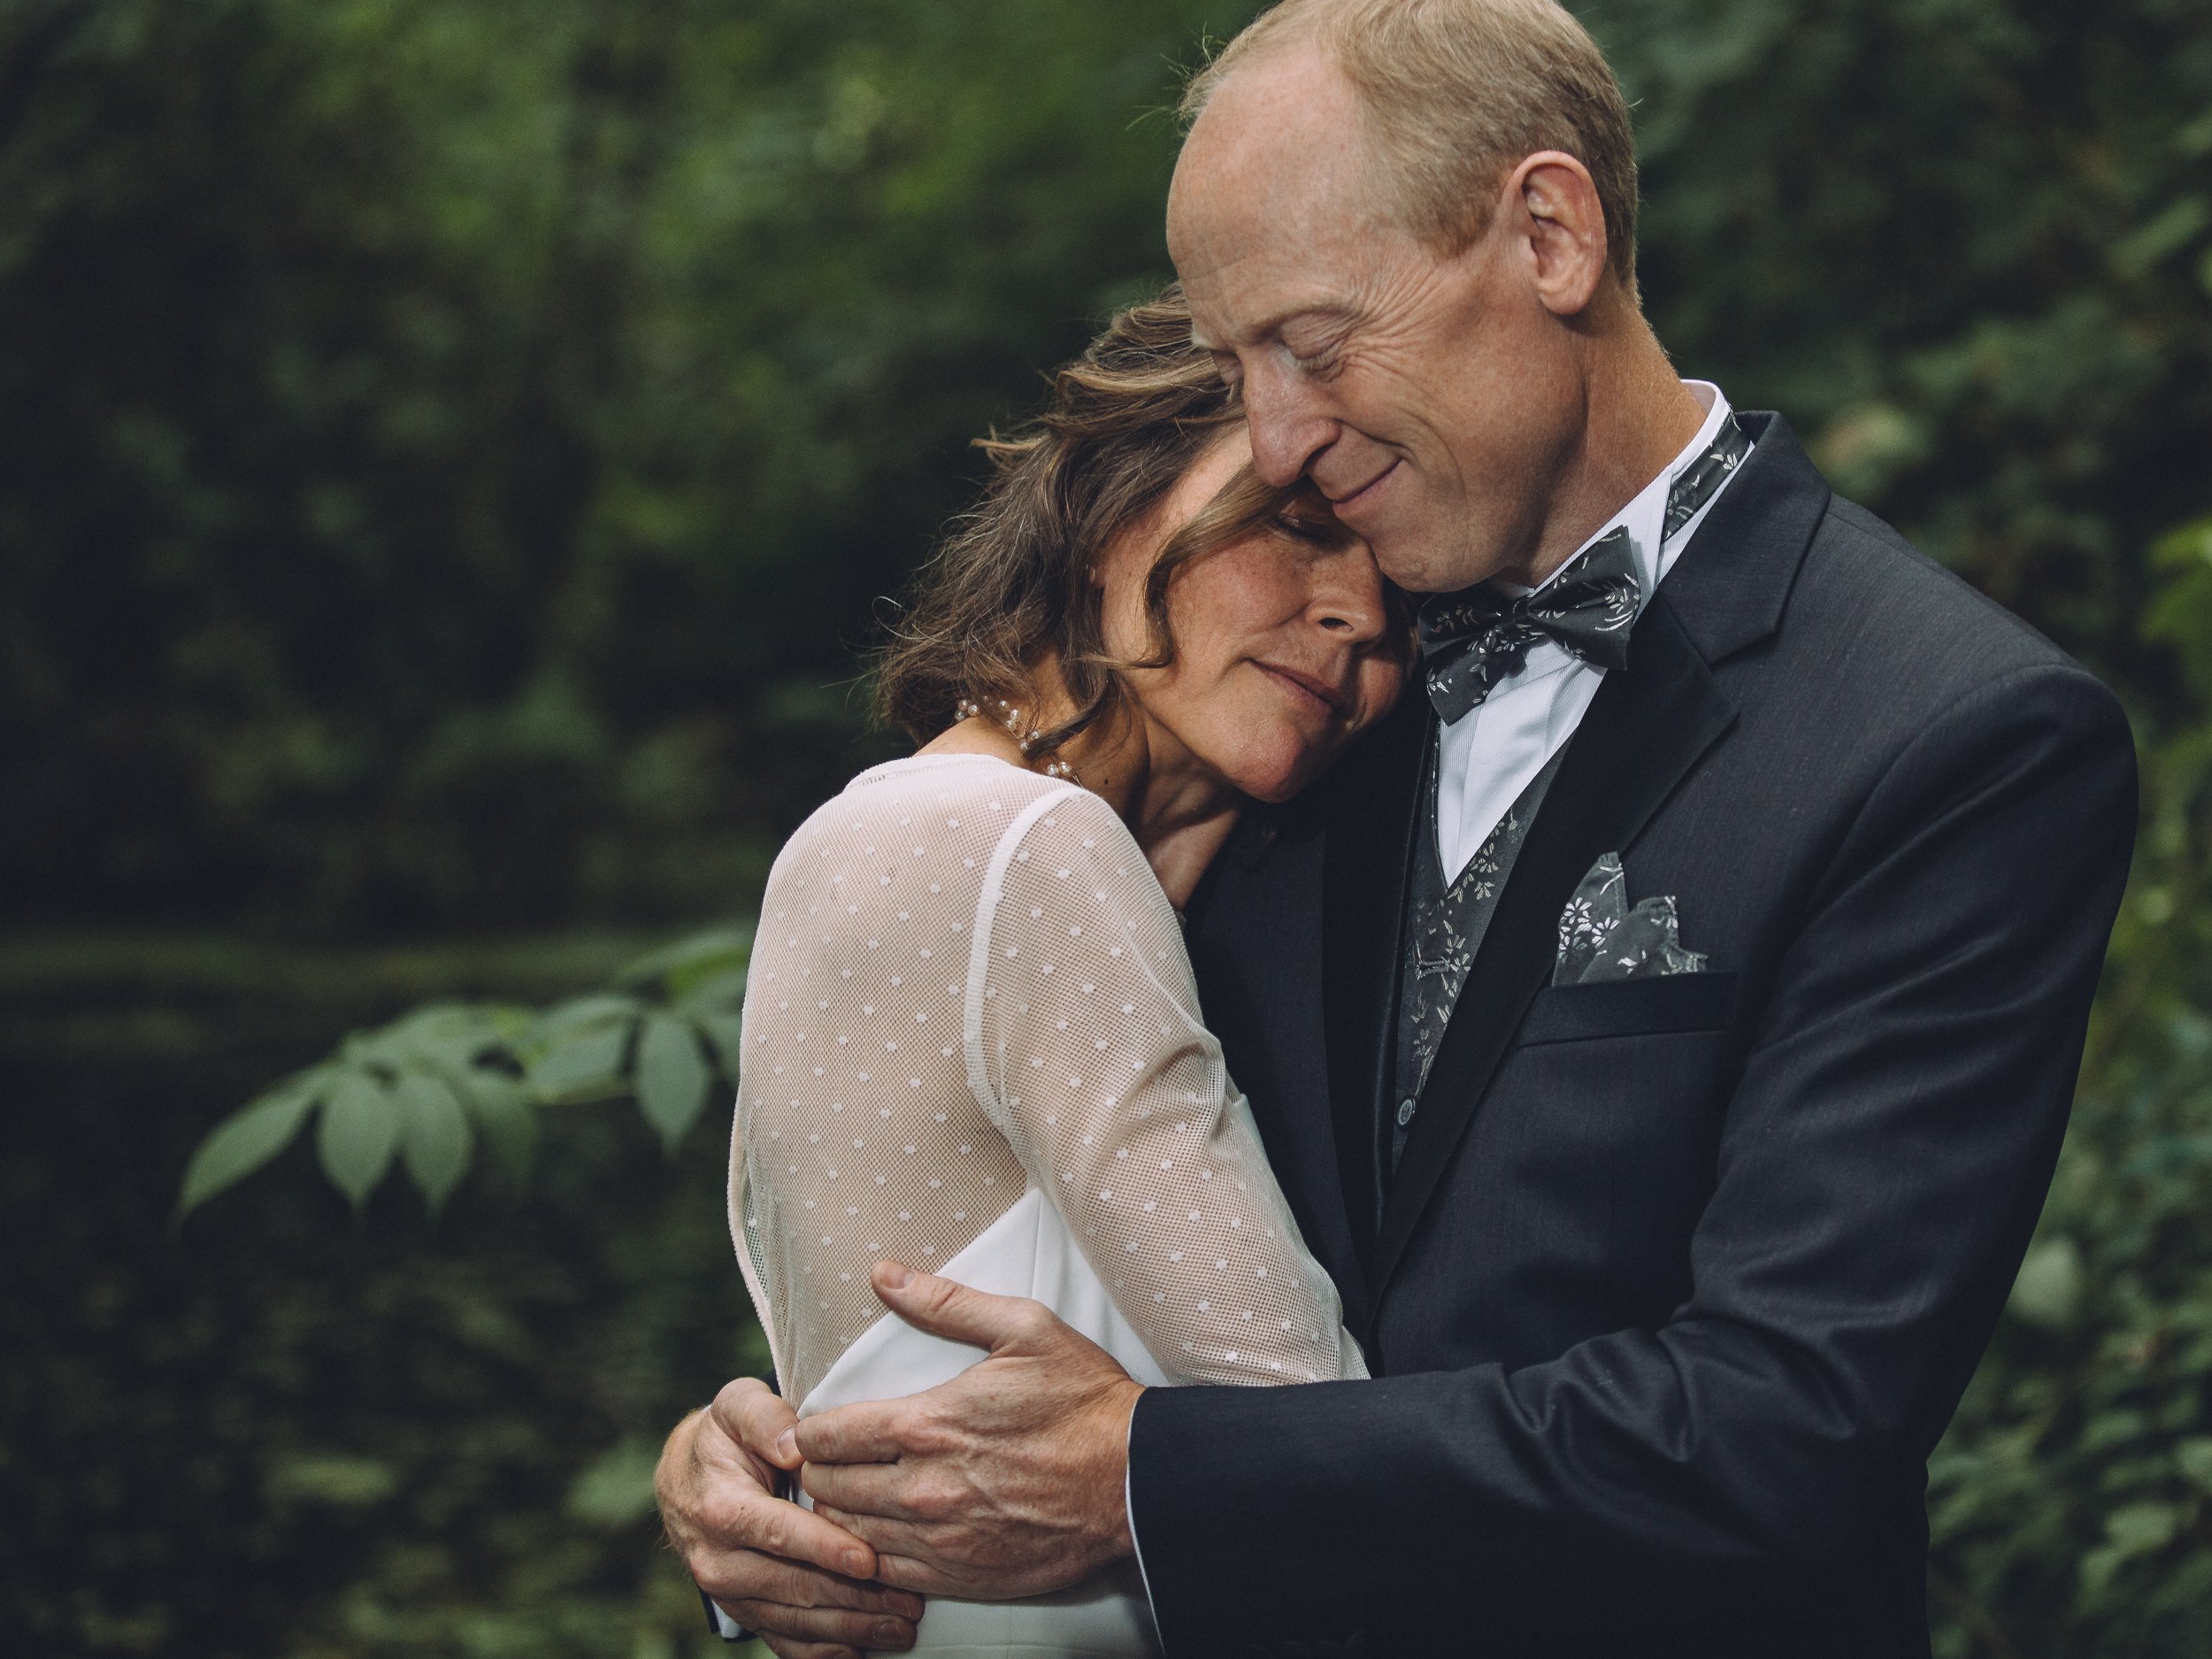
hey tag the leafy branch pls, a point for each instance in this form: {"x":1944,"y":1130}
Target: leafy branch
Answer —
{"x":425,"y":1090}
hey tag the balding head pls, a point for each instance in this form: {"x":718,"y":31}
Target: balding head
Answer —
{"x":1437,"y":360}
{"x":1454,"y":94}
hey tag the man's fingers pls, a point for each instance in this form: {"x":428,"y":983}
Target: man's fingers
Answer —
{"x":748,"y":1520}
{"x":759,"y":1419}
{"x":916,"y":1575}
{"x":747,"y":1575}
{"x":829,"y":1625}
{"x":785,"y":1647}
{"x":868,"y":1489}
{"x":945,"y":1308}
{"x":907,"y":1539}
{"x":895,"y":1565}
{"x":866,"y":1431}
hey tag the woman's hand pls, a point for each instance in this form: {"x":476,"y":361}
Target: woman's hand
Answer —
{"x":775,"y":1566}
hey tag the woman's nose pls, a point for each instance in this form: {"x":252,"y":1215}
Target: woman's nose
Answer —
{"x":1348,"y":600}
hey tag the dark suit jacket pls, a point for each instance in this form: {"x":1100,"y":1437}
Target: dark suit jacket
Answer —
{"x":1680,"y":1278}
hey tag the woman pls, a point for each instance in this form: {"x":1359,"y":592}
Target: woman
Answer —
{"x":972,"y":1041}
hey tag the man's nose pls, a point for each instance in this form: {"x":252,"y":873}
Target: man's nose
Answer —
{"x":1287,"y":430}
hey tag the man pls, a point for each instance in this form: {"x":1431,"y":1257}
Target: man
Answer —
{"x":1664,"y":1030}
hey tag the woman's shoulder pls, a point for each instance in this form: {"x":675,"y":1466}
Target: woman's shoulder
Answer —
{"x":1074,"y":848}
{"x":927,"y":807}
{"x":991,"y":791}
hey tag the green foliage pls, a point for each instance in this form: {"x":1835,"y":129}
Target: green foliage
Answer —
{"x":242,"y":1143}
{"x":291,"y":1430}
{"x":1966,"y":246}
{"x":422,"y":1088}
{"x":448,"y":447}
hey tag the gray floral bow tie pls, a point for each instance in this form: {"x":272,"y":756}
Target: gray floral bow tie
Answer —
{"x":1471,"y":640}
{"x":1474,"y":638}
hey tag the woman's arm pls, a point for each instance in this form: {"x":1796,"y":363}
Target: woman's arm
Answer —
{"x":1086,"y":1049}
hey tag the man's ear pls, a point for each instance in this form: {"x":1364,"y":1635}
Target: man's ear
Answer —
{"x":1557,"y":226}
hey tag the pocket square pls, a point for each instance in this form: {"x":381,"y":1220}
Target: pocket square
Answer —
{"x":1601,"y":938}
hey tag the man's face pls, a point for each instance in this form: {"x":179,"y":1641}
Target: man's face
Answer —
{"x":1431,"y":395}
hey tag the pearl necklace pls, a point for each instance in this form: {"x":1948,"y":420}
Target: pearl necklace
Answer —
{"x":1024,"y":736}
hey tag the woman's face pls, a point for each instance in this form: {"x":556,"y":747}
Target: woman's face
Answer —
{"x":1285,"y":649}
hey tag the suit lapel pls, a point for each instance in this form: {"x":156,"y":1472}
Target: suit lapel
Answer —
{"x":1374,"y":817}
{"x":1648,"y":725}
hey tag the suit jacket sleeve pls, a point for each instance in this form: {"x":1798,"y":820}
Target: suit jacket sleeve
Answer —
{"x":1883,"y":1156}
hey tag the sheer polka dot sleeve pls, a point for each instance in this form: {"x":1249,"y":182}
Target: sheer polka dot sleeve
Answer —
{"x":1086,"y":1049}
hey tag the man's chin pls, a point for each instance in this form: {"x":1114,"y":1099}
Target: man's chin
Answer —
{"x":1425,"y":564}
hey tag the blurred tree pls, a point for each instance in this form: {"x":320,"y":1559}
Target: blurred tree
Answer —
{"x":1966,"y":246}
{"x":446,"y":451}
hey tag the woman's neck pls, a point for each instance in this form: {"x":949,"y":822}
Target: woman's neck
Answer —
{"x":1179,"y":810}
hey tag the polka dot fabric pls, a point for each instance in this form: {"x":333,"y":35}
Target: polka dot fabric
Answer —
{"x":967,"y":982}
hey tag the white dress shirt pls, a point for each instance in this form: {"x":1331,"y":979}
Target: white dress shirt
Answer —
{"x":1489,"y":755}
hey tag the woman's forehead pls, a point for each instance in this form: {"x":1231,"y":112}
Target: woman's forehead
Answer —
{"x":1218,"y":463}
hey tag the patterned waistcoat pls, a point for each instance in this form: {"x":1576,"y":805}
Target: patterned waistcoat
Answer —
{"x":1444,"y":927}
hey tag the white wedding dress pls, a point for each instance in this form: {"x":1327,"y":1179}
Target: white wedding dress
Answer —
{"x":971,"y":1043}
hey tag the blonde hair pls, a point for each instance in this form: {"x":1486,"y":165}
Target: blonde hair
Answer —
{"x":1457,"y":92}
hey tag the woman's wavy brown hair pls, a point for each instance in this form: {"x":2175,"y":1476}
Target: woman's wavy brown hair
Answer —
{"x":1012,"y":584}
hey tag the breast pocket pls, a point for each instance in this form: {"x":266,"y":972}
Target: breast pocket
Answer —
{"x":1629,"y":1008}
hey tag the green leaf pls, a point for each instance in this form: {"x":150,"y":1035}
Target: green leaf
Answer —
{"x":579,"y":1015}
{"x":359,"y":1132}
{"x":329,"y":1478}
{"x":679,"y":970}
{"x":724,"y":993}
{"x":724,"y":1034}
{"x":2132,"y":1529}
{"x":245,"y":1140}
{"x":615,"y":1489}
{"x":2193,"y":1457}
{"x":2048,"y":1292}
{"x":450,"y":1036}
{"x":673,"y":1076}
{"x":435,"y":1141}
{"x":582,"y":1064}
{"x":504,"y":1115}
{"x":2176,"y":227}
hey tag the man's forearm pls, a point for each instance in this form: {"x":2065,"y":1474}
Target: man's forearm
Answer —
{"x":1468,"y":1501}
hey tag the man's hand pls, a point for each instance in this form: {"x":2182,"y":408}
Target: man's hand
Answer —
{"x":1006,"y":1481}
{"x":797,"y":1580}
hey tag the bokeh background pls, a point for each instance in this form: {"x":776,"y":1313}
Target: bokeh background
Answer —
{"x":450,"y":451}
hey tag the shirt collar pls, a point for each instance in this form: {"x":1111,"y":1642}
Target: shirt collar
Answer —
{"x":1645,"y":517}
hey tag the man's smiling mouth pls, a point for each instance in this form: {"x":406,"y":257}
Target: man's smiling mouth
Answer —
{"x":1364,"y":494}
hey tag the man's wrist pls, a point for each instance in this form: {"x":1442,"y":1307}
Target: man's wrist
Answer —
{"x":1129,"y":1506}
{"x":1121,"y":1535}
